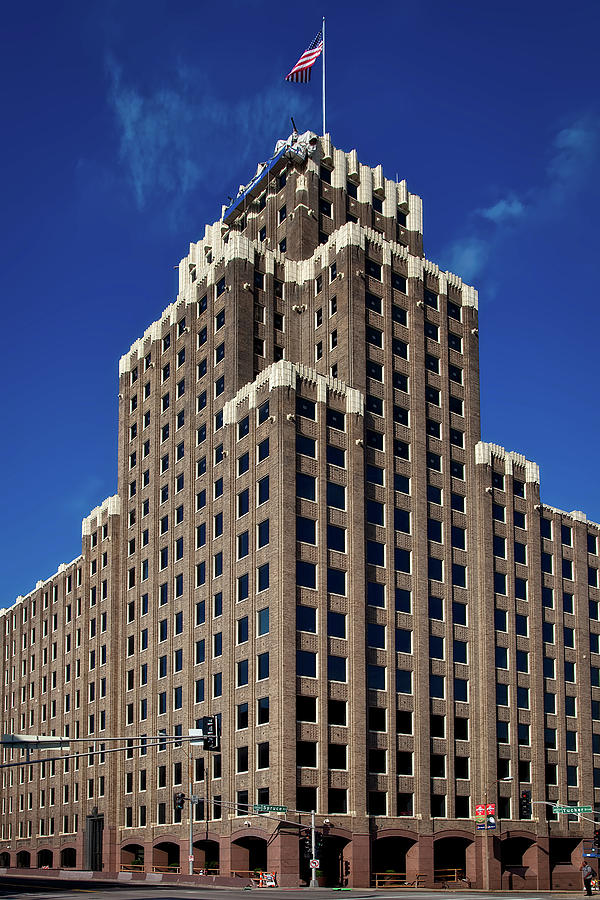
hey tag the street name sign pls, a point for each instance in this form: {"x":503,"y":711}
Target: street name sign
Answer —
{"x":572,"y":810}
{"x":264,"y":807}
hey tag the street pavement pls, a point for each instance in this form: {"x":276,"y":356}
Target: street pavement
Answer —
{"x":24,"y":888}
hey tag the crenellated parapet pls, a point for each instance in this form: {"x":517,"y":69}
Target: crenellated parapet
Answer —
{"x":286,"y":374}
{"x":484,"y":453}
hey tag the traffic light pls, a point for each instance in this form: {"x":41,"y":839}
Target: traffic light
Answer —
{"x":525,"y":805}
{"x":179,"y":800}
{"x":346,"y":867}
{"x":306,"y":847}
{"x":597,"y":838}
{"x":210,"y":733}
{"x":318,"y":841}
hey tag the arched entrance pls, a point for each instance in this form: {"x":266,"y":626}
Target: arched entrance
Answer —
{"x":68,"y":858}
{"x":452,"y":860}
{"x":333,"y":871}
{"x":388,"y":856}
{"x":23,"y":859}
{"x":249,"y":854}
{"x":4,"y":860}
{"x":165,"y":857}
{"x":44,"y":859}
{"x":132,"y":858}
{"x":207,"y":855}
{"x":514,"y":863}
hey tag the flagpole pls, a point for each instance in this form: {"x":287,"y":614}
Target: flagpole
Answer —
{"x":323,"y":35}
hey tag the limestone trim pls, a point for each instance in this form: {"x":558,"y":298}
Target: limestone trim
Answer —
{"x":111,"y":506}
{"x":484,"y":453}
{"x":63,"y":567}
{"x":576,"y":514}
{"x":287,"y":374}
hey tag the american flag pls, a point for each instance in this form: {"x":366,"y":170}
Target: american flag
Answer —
{"x":301,"y":71}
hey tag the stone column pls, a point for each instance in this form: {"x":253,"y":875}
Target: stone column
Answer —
{"x":283,"y":858}
{"x":419,"y":860}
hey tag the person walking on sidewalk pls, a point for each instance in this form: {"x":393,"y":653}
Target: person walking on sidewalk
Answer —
{"x":587,"y":873}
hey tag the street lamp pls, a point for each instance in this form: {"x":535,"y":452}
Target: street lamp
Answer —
{"x":486,"y":851}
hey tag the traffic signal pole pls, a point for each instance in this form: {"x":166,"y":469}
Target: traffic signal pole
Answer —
{"x":313,"y":848}
{"x":191,"y":833}
{"x":191,"y":805}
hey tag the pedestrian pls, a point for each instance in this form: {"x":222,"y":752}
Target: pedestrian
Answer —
{"x":587,"y":874}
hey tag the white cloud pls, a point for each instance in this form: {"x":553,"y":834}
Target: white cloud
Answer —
{"x":178,"y":137}
{"x":572,"y":156}
{"x":467,"y":257}
{"x":504,"y":210}
{"x":575,"y":151}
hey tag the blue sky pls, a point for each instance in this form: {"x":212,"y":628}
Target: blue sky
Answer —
{"x":127,"y":125}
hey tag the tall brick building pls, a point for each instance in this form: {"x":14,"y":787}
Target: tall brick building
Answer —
{"x":310,"y":541}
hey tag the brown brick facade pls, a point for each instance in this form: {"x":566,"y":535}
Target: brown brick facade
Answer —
{"x":310,"y":541}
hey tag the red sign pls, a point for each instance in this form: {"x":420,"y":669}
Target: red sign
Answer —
{"x":480,"y":809}
{"x":491,"y":809}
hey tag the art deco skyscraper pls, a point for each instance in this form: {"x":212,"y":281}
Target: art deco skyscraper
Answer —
{"x":310,"y":541}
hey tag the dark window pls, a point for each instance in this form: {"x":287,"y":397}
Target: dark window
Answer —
{"x":372,"y":301}
{"x":336,"y":419}
{"x":373,"y":269}
{"x":401,"y":382}
{"x":454,"y":342}
{"x":399,"y":281}
{"x":306,"y":530}
{"x":374,"y":370}
{"x":305,"y":486}
{"x":306,"y":408}
{"x":431,"y":331}
{"x":306,"y":574}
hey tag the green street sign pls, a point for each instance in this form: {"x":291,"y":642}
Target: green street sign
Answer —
{"x":572,"y":810}
{"x":264,"y":807}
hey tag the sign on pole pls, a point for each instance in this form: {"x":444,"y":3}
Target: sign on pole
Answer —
{"x":480,"y":815}
{"x":314,"y":863}
{"x":41,"y":741}
{"x":265,"y":807}
{"x":572,"y":810}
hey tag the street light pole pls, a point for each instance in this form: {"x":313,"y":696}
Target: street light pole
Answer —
{"x":486,"y":846}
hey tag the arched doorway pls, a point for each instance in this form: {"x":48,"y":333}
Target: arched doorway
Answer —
{"x":4,"y":860}
{"x":23,"y":859}
{"x":332,"y":872}
{"x":388,"y":856}
{"x":68,"y":858}
{"x":450,"y":861}
{"x":165,"y":857}
{"x":249,"y":854}
{"x":44,"y":859}
{"x":514,"y":864}
{"x":132,"y":858}
{"x":207,"y":855}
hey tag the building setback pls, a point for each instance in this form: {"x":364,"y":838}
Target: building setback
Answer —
{"x":311,"y":542}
